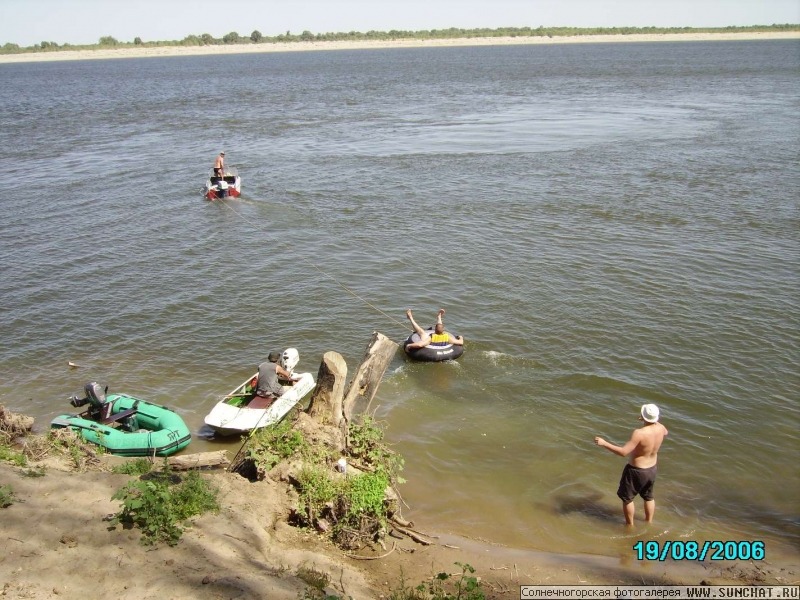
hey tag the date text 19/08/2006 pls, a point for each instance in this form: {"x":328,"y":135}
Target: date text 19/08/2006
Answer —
{"x":714,"y":550}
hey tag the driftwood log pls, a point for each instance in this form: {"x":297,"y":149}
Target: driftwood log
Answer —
{"x":199,"y":460}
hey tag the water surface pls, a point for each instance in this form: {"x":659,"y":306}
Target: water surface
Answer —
{"x":607,"y":225}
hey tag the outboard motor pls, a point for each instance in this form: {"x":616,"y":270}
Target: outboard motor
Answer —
{"x":222,"y":188}
{"x":95,"y":394}
{"x":289,"y":359}
{"x":99,"y":407}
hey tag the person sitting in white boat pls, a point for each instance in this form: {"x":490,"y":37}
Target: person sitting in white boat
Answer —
{"x":219,"y":165}
{"x":269,"y":373}
{"x":439,"y":337}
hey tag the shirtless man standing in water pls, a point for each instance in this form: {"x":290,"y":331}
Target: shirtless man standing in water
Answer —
{"x":219,"y":165}
{"x":639,"y":474}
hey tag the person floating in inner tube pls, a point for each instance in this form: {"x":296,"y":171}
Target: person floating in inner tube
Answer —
{"x":439,"y":337}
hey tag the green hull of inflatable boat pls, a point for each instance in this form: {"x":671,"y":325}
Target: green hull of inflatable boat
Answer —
{"x":151,"y":430}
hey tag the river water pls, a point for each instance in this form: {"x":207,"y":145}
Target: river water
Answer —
{"x":606,"y":224}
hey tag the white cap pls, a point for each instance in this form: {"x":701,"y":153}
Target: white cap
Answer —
{"x":650,"y":413}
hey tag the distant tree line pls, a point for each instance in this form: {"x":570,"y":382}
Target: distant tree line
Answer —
{"x":206,"y":39}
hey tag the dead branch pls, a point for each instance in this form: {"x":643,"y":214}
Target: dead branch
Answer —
{"x":353,"y":556}
{"x":413,"y":535}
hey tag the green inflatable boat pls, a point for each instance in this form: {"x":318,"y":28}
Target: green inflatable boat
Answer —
{"x":125,"y":425}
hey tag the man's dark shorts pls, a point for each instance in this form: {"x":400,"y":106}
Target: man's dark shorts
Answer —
{"x":636,"y":481}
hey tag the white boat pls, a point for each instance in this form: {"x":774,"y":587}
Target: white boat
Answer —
{"x":242,"y":411}
{"x":229,"y":186}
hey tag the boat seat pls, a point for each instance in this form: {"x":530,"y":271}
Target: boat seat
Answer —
{"x":118,"y":416}
{"x":261,"y":402}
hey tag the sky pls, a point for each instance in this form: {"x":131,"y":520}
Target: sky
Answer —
{"x":30,"y":22}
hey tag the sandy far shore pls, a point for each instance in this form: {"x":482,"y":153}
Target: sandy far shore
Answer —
{"x":365,"y":45}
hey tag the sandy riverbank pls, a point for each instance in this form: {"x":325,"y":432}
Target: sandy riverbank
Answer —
{"x":58,"y":544}
{"x":311,"y":46}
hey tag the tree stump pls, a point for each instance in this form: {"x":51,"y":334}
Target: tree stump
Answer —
{"x":326,"y":401}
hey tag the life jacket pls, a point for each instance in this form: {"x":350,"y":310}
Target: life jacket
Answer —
{"x":440,"y":339}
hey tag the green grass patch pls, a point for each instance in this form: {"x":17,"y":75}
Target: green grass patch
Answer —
{"x":317,"y":489}
{"x":6,"y":496}
{"x":160,"y":505}
{"x":270,"y":445}
{"x":353,"y":509}
{"x":443,"y":586}
{"x":367,"y":446}
{"x":364,"y":495}
{"x":8,"y":454}
{"x":65,"y":442}
{"x":137,"y":466}
{"x":39,"y":471}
